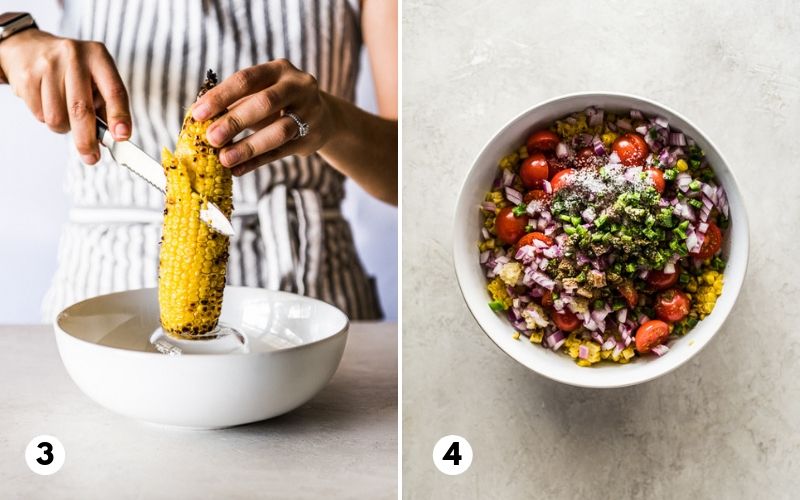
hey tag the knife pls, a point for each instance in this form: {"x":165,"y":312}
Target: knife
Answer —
{"x":137,"y":161}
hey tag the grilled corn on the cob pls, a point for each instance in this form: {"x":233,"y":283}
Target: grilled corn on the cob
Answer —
{"x":193,"y":257}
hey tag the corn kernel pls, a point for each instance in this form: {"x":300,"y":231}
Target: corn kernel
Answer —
{"x":681,"y":165}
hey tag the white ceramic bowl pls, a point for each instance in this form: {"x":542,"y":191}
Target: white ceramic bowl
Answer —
{"x":294,"y":345}
{"x":558,"y":366}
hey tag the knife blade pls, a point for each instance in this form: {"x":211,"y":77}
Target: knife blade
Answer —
{"x":140,"y":163}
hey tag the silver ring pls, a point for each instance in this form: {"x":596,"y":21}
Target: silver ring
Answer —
{"x":302,"y":127}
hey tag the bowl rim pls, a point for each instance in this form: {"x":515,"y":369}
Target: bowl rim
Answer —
{"x":61,"y":332}
{"x":741,"y":216}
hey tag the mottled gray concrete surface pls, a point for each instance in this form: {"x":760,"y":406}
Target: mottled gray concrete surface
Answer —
{"x":341,"y":444}
{"x":726,"y":424}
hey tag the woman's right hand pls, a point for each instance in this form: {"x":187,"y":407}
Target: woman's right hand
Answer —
{"x":57,"y":79}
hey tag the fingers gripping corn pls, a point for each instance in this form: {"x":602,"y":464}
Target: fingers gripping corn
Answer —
{"x":193,"y":257}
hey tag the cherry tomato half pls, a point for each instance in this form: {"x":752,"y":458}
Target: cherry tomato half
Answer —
{"x":535,"y":194}
{"x":672,"y":305}
{"x":661,"y":281}
{"x":565,"y":320}
{"x":650,"y":334}
{"x":711,"y":244}
{"x":542,"y":140}
{"x":629,"y":293}
{"x":631,"y":149}
{"x":509,"y":227}
{"x":528,"y":239}
{"x":534,"y":170}
{"x":657,"y":178}
{"x":562,"y":179}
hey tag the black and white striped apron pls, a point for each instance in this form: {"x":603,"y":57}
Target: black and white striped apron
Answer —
{"x":290,"y":234}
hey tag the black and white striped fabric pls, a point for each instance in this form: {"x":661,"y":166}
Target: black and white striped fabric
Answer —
{"x":290,"y":234}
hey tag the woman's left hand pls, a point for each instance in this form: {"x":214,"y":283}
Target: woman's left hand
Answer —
{"x":258,"y":98}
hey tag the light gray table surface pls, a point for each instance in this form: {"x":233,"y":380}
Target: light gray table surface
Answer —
{"x":342,"y":444}
{"x":724,"y":426}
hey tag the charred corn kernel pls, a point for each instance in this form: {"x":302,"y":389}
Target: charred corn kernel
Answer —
{"x":608,"y":138}
{"x":584,"y":362}
{"x":495,"y":197}
{"x":536,"y":337}
{"x":509,"y":162}
{"x":681,"y":165}
{"x":523,"y":152}
{"x":692,"y":285}
{"x":606,"y":354}
{"x":193,"y":258}
{"x":497,"y":289}
{"x":515,"y":335}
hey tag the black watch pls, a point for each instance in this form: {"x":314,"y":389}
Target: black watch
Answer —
{"x":11,"y":23}
{"x":14,"y":22}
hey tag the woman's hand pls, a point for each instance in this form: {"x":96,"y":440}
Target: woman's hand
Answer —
{"x":64,"y":83}
{"x":255,"y":98}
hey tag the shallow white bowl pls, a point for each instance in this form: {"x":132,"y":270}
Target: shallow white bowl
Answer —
{"x":294,"y":345}
{"x":472,"y":281}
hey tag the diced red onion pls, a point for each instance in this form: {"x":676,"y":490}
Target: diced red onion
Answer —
{"x":558,"y":344}
{"x":622,"y":315}
{"x":590,"y":324}
{"x":514,"y":196}
{"x":624,"y":124}
{"x":707,"y":202}
{"x":508,"y":177}
{"x":683,"y":180}
{"x":489,"y":206}
{"x":484,"y":256}
{"x":641,"y":130}
{"x":669,"y":268}
{"x":543,"y":264}
{"x":485,"y":233}
{"x":543,"y":281}
{"x":691,"y":242}
{"x":596,"y":118}
{"x":540,"y":244}
{"x":661,"y":121}
{"x":643,"y":273}
{"x":597,"y":337}
{"x":660,"y":349}
{"x":704,"y":213}
{"x":702,"y":227}
{"x":643,"y":319}
{"x":709,"y":191}
{"x":525,"y":254}
{"x":588,"y":214}
{"x":556,"y":336}
{"x":723,"y":203}
{"x":547,"y":187}
{"x":636,"y":114}
{"x":561,"y":150}
{"x":598,"y":148}
{"x":558,"y":304}
{"x":677,"y":139}
{"x":541,"y":224}
{"x":599,"y":315}
{"x":609,"y":344}
{"x":550,"y":252}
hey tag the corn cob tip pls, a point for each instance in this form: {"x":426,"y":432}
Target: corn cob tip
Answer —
{"x":209,"y":83}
